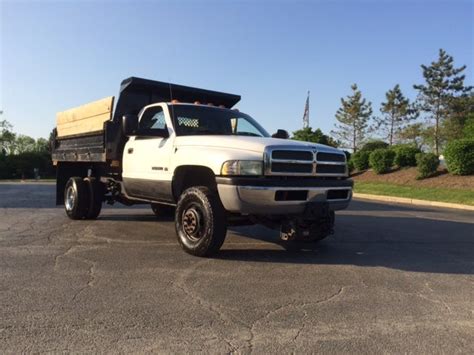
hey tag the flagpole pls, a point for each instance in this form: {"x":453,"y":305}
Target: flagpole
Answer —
{"x":306,"y":112}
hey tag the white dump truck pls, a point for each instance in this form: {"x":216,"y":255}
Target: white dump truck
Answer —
{"x":185,"y":151}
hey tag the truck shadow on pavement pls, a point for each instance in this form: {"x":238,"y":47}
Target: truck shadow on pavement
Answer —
{"x":377,"y":235}
{"x":367,"y":234}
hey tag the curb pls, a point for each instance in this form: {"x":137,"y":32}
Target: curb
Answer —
{"x":412,"y":201}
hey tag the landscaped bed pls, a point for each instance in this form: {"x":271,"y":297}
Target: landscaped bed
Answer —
{"x":443,"y":187}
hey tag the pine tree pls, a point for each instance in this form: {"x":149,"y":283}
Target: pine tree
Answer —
{"x":396,"y":113}
{"x":353,"y":117}
{"x":443,"y":83}
{"x":317,"y":136}
{"x":413,"y":134}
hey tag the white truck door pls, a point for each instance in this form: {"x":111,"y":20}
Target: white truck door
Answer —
{"x":146,"y":157}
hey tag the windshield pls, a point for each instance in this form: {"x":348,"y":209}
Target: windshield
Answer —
{"x":190,"y":120}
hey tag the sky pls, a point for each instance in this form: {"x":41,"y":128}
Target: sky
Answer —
{"x":55,"y":55}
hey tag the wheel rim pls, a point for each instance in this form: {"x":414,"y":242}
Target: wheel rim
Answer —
{"x":192,"y":222}
{"x":70,"y":198}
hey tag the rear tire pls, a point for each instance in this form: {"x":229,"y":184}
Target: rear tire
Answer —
{"x":96,"y":196}
{"x":76,"y":198}
{"x":200,"y":221}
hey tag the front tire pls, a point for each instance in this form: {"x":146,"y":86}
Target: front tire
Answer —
{"x":76,"y":198}
{"x":200,"y":221}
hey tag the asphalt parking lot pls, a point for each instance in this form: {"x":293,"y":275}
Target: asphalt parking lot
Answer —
{"x":392,"y":279}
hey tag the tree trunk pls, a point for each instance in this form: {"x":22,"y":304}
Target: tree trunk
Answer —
{"x":436,"y":135}
{"x":354,"y":139}
{"x":391,"y":130}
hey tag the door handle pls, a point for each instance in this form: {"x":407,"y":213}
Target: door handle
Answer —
{"x":130,"y":150}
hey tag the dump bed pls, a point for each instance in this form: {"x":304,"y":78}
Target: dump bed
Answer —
{"x":92,"y":132}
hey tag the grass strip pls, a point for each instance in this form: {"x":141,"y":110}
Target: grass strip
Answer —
{"x":465,"y":197}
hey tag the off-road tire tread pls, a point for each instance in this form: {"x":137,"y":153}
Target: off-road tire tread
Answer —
{"x":217,"y":225}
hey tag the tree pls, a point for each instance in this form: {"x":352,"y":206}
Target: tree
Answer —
{"x":461,"y":113}
{"x":413,"y":134}
{"x":353,"y":117}
{"x":468,"y":130}
{"x":25,"y":144}
{"x":396,"y":113}
{"x":443,"y":82}
{"x":42,"y":145}
{"x":7,"y":138}
{"x":317,"y":136}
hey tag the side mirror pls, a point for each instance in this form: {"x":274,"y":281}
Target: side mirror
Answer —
{"x":129,"y":124}
{"x":281,"y":133}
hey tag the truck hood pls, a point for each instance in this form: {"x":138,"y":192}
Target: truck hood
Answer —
{"x":255,"y":144}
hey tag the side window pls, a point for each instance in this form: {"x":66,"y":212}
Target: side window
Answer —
{"x":153,"y":118}
{"x":242,"y":127}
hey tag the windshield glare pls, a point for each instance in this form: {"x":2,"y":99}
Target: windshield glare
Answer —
{"x":190,"y":120}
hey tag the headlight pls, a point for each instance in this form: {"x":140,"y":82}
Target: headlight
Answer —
{"x":242,"y":167}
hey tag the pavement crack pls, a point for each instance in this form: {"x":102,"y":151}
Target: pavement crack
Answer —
{"x":300,"y":330}
{"x":294,"y":304}
{"x":89,"y":283}
{"x":222,"y":316}
{"x":78,"y":246}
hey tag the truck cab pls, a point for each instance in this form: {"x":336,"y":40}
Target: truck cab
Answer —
{"x":207,"y":164}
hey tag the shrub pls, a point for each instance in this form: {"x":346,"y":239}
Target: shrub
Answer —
{"x":427,"y":164}
{"x":350,"y":166}
{"x":23,"y":165}
{"x":372,"y":145}
{"x":405,"y":155}
{"x":459,"y":155}
{"x":381,"y":160}
{"x":360,"y":160}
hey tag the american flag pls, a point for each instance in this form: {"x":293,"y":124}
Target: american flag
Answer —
{"x":306,"y":113}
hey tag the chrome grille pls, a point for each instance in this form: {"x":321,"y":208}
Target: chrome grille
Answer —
{"x":330,"y":169}
{"x":293,"y":155}
{"x":332,"y":157}
{"x":303,"y":162}
{"x":292,"y":168}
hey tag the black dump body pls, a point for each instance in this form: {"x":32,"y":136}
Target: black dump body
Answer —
{"x":135,"y":93}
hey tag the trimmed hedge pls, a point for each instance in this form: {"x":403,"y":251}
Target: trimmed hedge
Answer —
{"x":405,"y":155}
{"x":360,"y":160}
{"x":23,"y":165}
{"x":459,"y":155}
{"x":381,"y":160}
{"x":427,"y":164}
{"x":373,"y":145}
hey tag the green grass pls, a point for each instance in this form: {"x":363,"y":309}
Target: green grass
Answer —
{"x":465,"y":197}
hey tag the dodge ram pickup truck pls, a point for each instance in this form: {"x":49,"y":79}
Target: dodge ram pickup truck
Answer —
{"x":185,"y":151}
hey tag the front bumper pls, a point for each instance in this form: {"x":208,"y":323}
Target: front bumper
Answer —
{"x":273,"y":197}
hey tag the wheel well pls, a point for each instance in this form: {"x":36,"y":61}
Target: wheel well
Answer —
{"x":192,"y":175}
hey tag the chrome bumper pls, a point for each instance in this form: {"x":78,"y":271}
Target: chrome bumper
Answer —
{"x":260,"y":200}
